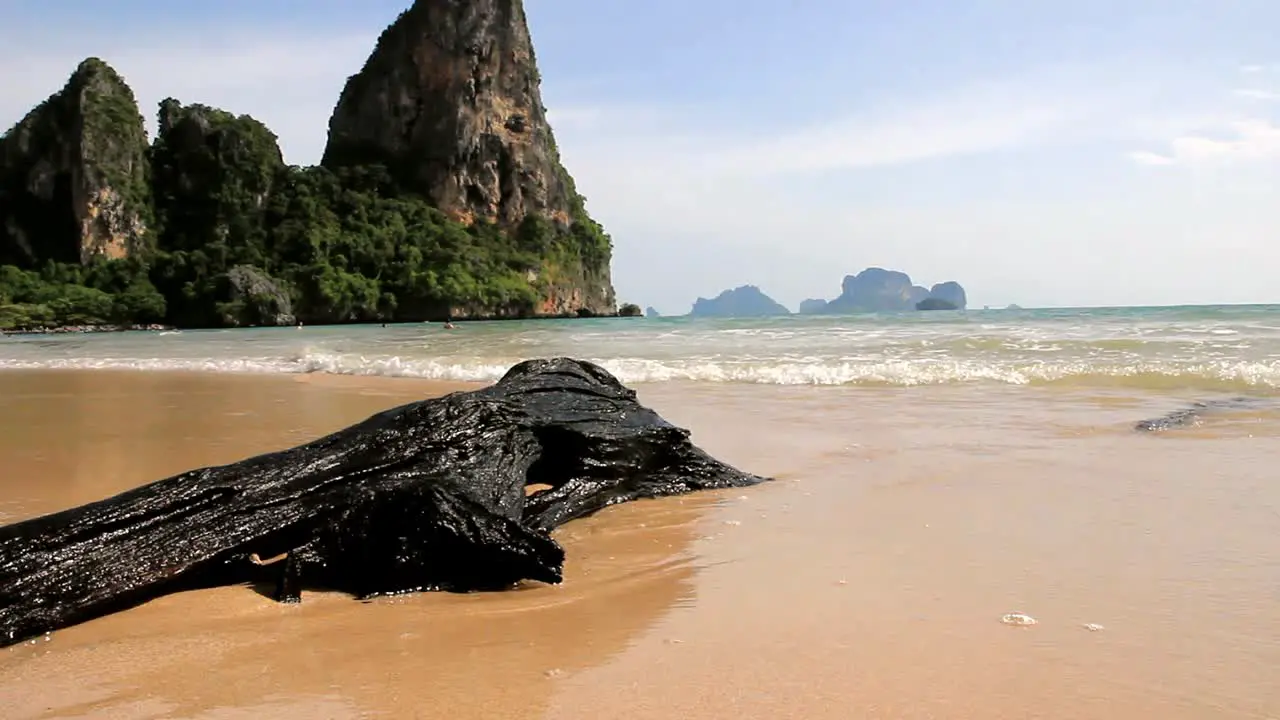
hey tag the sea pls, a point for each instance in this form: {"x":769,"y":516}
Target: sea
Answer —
{"x":966,"y":521}
{"x":1211,"y":348}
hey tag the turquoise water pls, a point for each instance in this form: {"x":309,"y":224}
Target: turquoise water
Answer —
{"x":1212,"y":347}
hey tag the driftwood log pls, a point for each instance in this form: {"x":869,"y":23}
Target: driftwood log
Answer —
{"x":427,"y":496}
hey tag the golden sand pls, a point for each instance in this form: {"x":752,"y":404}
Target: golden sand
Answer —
{"x":868,"y":582}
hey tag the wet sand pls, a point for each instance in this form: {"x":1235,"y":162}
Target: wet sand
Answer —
{"x":868,"y":582}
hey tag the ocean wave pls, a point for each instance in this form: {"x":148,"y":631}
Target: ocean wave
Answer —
{"x":1225,"y":374}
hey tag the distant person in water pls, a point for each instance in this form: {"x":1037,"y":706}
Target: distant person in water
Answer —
{"x":448,"y":325}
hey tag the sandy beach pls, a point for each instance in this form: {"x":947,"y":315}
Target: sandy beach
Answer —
{"x":867,"y":582}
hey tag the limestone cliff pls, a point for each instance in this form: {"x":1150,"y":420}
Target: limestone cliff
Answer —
{"x":213,"y":174}
{"x":449,"y":102}
{"x":73,"y":174}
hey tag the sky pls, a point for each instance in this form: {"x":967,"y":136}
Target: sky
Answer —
{"x":1078,"y":153}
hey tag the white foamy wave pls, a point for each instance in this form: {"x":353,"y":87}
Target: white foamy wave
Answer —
{"x":329,"y":363}
{"x":809,"y":371}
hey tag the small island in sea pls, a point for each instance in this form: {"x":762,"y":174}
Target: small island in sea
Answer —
{"x":872,"y":290}
{"x":744,"y":301}
{"x":879,"y":290}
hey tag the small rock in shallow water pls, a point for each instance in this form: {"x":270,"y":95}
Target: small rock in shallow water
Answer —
{"x":1020,"y":619}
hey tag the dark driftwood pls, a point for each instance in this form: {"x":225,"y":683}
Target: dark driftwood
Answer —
{"x":1192,"y":414}
{"x":427,"y":496}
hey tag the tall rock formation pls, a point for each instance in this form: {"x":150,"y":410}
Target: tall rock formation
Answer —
{"x":213,"y":175}
{"x":876,"y":290}
{"x":449,"y":103}
{"x":74,"y":175}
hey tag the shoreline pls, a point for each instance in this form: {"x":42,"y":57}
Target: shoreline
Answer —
{"x":89,"y":329}
{"x":159,"y":327}
{"x":314,"y":378}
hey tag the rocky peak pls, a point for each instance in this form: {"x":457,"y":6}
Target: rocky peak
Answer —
{"x":214,"y":171}
{"x":877,"y":290}
{"x":880,"y":290}
{"x":743,"y":301}
{"x":74,"y":175}
{"x":449,"y":102}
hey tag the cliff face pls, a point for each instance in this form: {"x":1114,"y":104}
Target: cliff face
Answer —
{"x":213,"y":174}
{"x":449,"y":103}
{"x":73,"y":174}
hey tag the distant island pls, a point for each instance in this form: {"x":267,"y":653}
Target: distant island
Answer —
{"x":879,"y":290}
{"x":744,"y":301}
{"x":872,"y":290}
{"x":933,"y":303}
{"x":456,"y":208}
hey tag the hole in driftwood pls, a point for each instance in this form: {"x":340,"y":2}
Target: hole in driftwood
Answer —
{"x":559,"y":460}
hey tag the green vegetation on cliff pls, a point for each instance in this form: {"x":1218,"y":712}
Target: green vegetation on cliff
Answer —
{"x":234,"y":236}
{"x":74,"y":174}
{"x":105,"y":291}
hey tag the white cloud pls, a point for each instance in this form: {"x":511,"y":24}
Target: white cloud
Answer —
{"x":1241,"y":134}
{"x":1257,"y":94}
{"x":720,"y":173}
{"x":1150,"y":158}
{"x":1051,"y":106}
{"x":1247,"y":141}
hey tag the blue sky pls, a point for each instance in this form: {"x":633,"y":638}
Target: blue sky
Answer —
{"x":1082,"y":153}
